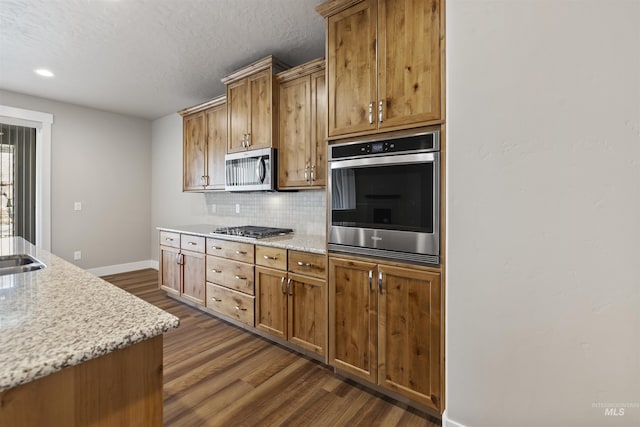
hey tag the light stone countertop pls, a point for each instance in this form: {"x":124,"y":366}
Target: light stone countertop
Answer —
{"x":293,"y":241}
{"x":61,"y":316}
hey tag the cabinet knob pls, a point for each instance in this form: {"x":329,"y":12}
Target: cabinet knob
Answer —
{"x":273,"y":258}
{"x":216,"y":271}
{"x":240,"y":278}
{"x":215,"y":299}
{"x":305,"y":264}
{"x":217,"y":248}
{"x":241,"y":253}
{"x":169,"y":239}
{"x":240,"y":308}
{"x":192,"y":243}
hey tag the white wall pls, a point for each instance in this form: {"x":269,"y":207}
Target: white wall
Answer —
{"x":102,"y":160}
{"x":543,"y":285}
{"x":303,"y":211}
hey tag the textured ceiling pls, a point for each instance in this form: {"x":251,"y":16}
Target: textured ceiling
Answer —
{"x":147,"y":58}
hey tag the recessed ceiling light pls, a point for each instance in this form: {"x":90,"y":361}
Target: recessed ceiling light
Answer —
{"x":43,"y":72}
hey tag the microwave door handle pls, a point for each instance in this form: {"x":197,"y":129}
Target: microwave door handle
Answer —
{"x":260,"y":170}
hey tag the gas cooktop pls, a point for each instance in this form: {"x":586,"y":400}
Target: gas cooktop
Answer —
{"x":252,"y":231}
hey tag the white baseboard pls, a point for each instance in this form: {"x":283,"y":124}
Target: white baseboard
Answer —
{"x":123,"y":268}
{"x":447,"y":422}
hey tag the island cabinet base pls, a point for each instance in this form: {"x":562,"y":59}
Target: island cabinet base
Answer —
{"x":122,"y":388}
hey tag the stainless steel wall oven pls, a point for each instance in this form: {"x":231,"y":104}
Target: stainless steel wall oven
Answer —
{"x":384,"y":197}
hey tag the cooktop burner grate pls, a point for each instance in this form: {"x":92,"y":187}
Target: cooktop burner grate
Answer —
{"x":252,"y":231}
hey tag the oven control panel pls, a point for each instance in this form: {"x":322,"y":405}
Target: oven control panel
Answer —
{"x":417,"y":143}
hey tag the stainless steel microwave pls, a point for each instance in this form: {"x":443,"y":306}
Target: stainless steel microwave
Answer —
{"x":384,"y":197}
{"x":253,"y":170}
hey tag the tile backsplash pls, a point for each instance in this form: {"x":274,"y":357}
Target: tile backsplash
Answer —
{"x":303,"y":211}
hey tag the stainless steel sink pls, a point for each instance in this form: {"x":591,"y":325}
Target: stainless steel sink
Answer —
{"x":19,"y":263}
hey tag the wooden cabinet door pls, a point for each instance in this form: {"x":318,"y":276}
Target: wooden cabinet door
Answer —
{"x":169,"y":272}
{"x":351,"y":69}
{"x":193,"y":276}
{"x":260,"y":107}
{"x":318,"y":143}
{"x":408,"y":62}
{"x":194,"y":151}
{"x":307,"y":312}
{"x":294,"y":133}
{"x":352,"y":318}
{"x":409,"y":333}
{"x":216,"y":119}
{"x":271,"y":301}
{"x":237,"y":114}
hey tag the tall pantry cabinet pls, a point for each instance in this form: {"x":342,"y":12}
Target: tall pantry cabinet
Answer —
{"x":385,"y":73}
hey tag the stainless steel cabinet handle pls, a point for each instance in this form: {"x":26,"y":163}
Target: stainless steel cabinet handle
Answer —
{"x":282,"y":285}
{"x":305,"y":264}
{"x":371,"y":280}
{"x":240,"y":308}
{"x":216,"y":270}
{"x":241,"y":253}
{"x":289,"y":286}
{"x":215,"y":299}
{"x":380,"y":281}
{"x":240,"y":278}
{"x":270,"y":257}
{"x":306,"y":173}
{"x":380,"y":111}
{"x":371,"y":113}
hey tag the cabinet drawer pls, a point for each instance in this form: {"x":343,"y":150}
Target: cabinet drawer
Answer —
{"x":170,"y":239}
{"x":192,"y":243}
{"x":231,"y":250}
{"x":232,"y":274}
{"x":314,"y":265}
{"x":230,"y":303}
{"x":271,"y":257}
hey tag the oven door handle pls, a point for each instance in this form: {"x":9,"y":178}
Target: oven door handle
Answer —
{"x":401,"y":159}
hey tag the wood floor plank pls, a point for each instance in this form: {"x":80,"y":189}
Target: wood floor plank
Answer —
{"x":218,"y":374}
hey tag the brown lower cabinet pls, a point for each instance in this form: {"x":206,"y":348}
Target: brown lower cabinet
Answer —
{"x":182,"y":269}
{"x":292,"y":305}
{"x":379,"y":322}
{"x":385,"y":326}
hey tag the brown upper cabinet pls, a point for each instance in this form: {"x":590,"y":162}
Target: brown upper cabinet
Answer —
{"x":252,"y":114}
{"x":302,"y":129}
{"x":384,"y":62}
{"x":204,"y":145}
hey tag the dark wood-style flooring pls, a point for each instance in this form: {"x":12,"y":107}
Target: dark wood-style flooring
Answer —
{"x":216,"y":374}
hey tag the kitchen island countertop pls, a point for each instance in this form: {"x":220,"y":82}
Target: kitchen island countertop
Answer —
{"x":294,"y":241}
{"x":61,"y":316}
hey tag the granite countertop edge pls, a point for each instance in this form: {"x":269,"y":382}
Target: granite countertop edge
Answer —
{"x":62,"y":315}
